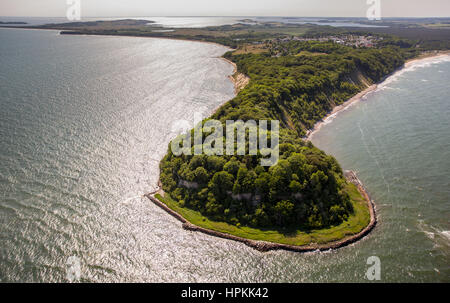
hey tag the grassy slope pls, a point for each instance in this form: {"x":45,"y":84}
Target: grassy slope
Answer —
{"x":353,"y":225}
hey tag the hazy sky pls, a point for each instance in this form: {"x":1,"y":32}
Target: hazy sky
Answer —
{"x":336,"y":8}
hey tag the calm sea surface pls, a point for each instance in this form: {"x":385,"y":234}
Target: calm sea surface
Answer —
{"x":85,"y":120}
{"x":196,"y":22}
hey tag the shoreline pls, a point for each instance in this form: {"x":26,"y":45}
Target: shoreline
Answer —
{"x":264,"y":246}
{"x":337,"y":109}
{"x":351,"y":177}
{"x":426,"y":55}
{"x":240,"y":80}
{"x":67,"y":32}
{"x":356,"y":98}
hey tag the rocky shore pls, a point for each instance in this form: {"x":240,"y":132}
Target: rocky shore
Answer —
{"x":264,"y":246}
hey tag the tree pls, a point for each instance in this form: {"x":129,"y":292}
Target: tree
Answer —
{"x":215,"y":163}
{"x":284,"y":211}
{"x":220,"y":184}
{"x":245,"y":181}
{"x":262,"y":183}
{"x":201,"y":175}
{"x":213,"y":208}
{"x":232,"y":166}
{"x":261,"y":218}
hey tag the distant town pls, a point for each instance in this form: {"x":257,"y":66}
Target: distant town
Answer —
{"x":349,"y":40}
{"x":280,"y":46}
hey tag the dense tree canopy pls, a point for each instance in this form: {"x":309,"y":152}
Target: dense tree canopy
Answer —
{"x":306,"y":187}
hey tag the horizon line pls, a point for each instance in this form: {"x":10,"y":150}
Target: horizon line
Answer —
{"x":237,"y":16}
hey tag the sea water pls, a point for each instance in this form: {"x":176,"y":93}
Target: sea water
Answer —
{"x":86,"y":119}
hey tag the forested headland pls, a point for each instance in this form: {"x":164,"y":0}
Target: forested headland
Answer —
{"x":298,"y":74}
{"x":306,"y":189}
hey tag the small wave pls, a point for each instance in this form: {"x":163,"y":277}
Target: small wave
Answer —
{"x":382,"y":88}
{"x":127,"y":201}
{"x":439,"y":237}
{"x":412,"y":66}
{"x":331,"y":117}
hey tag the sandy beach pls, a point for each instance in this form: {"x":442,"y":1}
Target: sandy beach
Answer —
{"x":339,"y":108}
{"x":356,"y":98}
{"x":427,"y":55}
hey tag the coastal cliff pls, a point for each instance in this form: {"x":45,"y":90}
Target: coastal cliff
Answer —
{"x":305,"y":188}
{"x":265,"y":246}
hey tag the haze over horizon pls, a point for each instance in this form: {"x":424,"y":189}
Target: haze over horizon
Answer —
{"x":202,"y":8}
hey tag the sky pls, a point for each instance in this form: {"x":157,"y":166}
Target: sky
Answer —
{"x":300,"y":8}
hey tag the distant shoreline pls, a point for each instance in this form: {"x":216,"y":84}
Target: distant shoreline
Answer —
{"x":240,"y":81}
{"x":356,"y":98}
{"x":65,"y":32}
{"x":13,"y":22}
{"x":265,"y":246}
